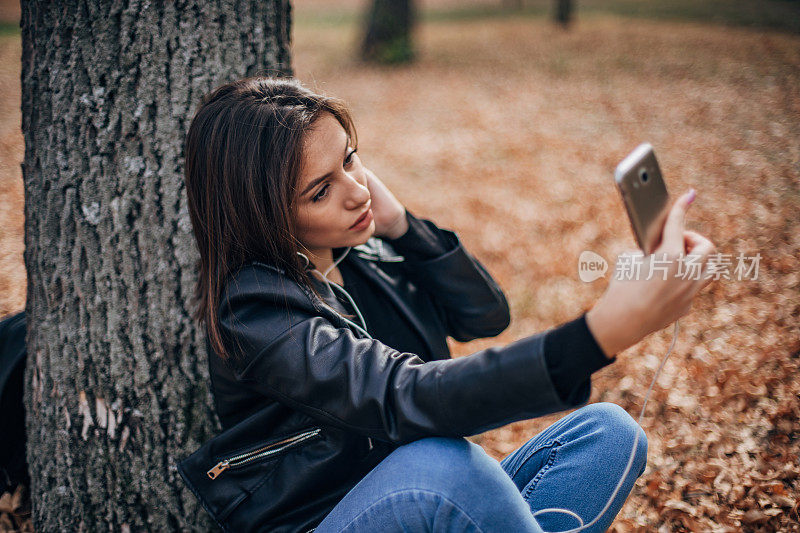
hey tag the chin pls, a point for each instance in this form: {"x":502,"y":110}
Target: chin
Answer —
{"x":365,"y":236}
{"x":363,"y":240}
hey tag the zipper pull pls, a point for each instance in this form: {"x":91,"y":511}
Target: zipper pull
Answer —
{"x":369,"y":439}
{"x":218,"y":469}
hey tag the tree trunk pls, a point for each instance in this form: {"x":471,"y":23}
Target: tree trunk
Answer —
{"x":564,"y":12}
{"x":388,"y":34}
{"x":117,"y":376}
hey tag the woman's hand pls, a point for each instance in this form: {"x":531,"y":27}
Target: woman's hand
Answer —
{"x":630,"y":310}
{"x":389,"y":214}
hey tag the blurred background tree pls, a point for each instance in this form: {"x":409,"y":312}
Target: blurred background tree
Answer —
{"x":563,"y":12}
{"x":562,"y":9}
{"x":388,"y":34}
{"x":117,"y":379}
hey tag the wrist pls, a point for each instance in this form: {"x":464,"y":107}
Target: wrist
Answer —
{"x":399,"y":228}
{"x":611,"y":331}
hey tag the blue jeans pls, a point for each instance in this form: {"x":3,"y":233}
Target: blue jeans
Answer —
{"x":450,"y":484}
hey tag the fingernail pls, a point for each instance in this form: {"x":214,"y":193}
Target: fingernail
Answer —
{"x":692,"y":196}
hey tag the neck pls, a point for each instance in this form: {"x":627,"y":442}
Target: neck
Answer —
{"x":321,"y":258}
{"x":324,"y":259}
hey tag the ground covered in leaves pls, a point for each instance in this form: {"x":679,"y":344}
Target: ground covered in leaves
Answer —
{"x":507,"y":130}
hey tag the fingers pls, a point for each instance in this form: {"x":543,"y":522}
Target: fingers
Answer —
{"x":702,"y":247}
{"x":672,"y":241}
{"x":371,"y":179}
{"x":369,"y":174}
{"x":692,"y":240}
{"x":698,"y":245}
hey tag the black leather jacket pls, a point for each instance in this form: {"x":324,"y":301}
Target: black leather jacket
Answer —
{"x":333,"y":403}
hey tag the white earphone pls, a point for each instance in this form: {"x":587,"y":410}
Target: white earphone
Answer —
{"x":363,"y":327}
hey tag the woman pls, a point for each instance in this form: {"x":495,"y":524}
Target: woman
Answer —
{"x":327,"y":305}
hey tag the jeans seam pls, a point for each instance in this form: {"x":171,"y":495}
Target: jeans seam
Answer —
{"x":399,"y":491}
{"x":530,"y":454}
{"x":556,"y":445}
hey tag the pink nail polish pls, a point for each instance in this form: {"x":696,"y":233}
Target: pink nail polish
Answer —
{"x":692,"y":196}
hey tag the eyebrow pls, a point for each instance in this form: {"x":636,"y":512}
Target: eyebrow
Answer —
{"x":316,"y":181}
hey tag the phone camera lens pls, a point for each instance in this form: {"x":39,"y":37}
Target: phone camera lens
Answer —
{"x":643,"y":175}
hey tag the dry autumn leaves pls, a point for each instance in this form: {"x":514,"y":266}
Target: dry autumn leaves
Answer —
{"x":507,"y":130}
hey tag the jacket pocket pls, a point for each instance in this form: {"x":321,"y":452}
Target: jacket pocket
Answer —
{"x":263,"y":452}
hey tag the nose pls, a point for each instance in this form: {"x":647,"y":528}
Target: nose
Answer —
{"x":358,"y":192}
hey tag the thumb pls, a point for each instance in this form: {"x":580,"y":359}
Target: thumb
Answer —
{"x":672,"y":241}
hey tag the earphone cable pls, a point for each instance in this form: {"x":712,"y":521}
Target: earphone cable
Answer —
{"x":630,"y":458}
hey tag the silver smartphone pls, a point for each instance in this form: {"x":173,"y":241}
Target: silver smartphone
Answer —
{"x":645,"y":196}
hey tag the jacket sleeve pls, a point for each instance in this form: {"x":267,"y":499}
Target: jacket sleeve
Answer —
{"x":471,"y":301}
{"x":362,"y":385}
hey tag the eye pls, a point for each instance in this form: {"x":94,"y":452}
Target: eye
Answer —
{"x":349,"y":159}
{"x":320,"y":196}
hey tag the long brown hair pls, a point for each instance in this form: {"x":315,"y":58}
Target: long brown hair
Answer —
{"x":243,"y":162}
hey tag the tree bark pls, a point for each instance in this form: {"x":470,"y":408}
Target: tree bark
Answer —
{"x":117,"y":376}
{"x":563,"y":12}
{"x":387,"y":38}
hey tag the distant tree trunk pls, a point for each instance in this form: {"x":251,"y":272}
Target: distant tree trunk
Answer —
{"x":117,"y":377}
{"x":387,"y":38}
{"x":563,"y":12}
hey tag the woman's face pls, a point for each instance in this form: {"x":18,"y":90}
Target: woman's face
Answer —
{"x":332,"y":190}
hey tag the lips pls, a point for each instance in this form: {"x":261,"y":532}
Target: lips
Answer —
{"x":361,"y":218}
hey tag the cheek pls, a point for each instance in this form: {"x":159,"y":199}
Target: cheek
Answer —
{"x":313,"y":223}
{"x":301,"y":219}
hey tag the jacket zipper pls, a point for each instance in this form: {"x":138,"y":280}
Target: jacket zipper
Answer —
{"x":261,"y":453}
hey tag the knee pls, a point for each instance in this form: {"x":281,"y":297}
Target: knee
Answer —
{"x":618,"y":429}
{"x":448,"y":465}
{"x":446,"y":456}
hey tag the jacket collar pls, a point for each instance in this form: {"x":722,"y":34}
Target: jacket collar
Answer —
{"x":375,"y":249}
{"x":372,"y":254}
{"x":366,"y":259}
